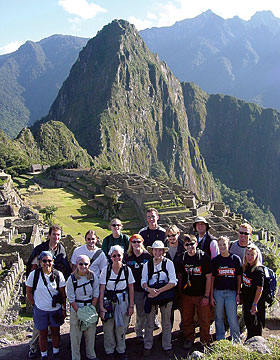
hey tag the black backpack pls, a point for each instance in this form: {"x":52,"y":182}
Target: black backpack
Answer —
{"x":151,"y":268}
{"x":124,"y":268}
{"x":37,"y":273}
{"x":270,"y":285}
{"x":75,"y":282}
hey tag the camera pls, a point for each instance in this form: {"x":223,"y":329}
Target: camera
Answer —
{"x":57,"y":299}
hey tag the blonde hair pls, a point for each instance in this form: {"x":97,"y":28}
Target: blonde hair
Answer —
{"x":130,"y":249}
{"x":172,"y":228}
{"x":89,"y":274}
{"x":225,"y":238}
{"x":257,"y":261}
{"x":247,"y":226}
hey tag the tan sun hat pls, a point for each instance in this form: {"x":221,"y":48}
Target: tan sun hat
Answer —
{"x":157,"y":245}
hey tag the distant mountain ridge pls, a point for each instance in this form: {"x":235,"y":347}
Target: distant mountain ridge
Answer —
{"x":229,"y":56}
{"x":31,"y":77}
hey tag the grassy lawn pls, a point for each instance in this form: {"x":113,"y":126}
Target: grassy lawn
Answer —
{"x":68,"y":204}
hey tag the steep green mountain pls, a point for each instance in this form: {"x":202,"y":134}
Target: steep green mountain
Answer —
{"x":229,"y":56}
{"x":51,"y":143}
{"x":31,"y":77}
{"x":126,"y":108}
{"x":240,"y":142}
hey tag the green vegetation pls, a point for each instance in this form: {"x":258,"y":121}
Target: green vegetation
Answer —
{"x":48,"y":214}
{"x":73,"y":213}
{"x":243,"y":202}
{"x":225,"y":350}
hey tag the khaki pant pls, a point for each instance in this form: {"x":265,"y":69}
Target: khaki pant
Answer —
{"x":140,"y":313}
{"x":76,"y":336}
{"x":114,"y":337}
{"x":165,"y":311}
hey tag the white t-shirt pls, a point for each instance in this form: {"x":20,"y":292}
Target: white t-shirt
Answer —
{"x":42,"y":297}
{"x":121,"y":284}
{"x":98,"y":264}
{"x":82,"y":292}
{"x":162,"y":275}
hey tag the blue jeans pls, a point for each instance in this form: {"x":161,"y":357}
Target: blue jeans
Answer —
{"x":226,"y":300}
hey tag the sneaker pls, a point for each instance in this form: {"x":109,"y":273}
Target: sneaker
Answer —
{"x":110,"y":357}
{"x":44,"y":357}
{"x":188,"y":344}
{"x":32,"y":353}
{"x":146,"y":352}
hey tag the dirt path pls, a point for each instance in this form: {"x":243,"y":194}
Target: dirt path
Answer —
{"x":19,"y":351}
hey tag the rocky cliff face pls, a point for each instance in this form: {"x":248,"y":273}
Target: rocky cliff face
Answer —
{"x":239,"y":141}
{"x":126,"y":108}
{"x":31,"y":77}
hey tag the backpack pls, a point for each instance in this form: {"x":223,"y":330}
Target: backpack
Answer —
{"x":270,"y":285}
{"x":151,"y":268}
{"x":36,"y":278}
{"x":75,"y":282}
{"x":124,"y":268}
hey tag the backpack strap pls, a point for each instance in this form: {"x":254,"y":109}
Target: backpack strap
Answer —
{"x":151,"y":268}
{"x":75,"y":284}
{"x":123,"y":268}
{"x":35,"y":279}
{"x":95,"y":256}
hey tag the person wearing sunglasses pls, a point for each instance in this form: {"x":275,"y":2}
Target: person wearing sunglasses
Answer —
{"x":116,"y":238}
{"x":135,"y":258}
{"x":239,"y":246}
{"x":98,"y":259}
{"x":47,"y":296}
{"x":82,"y":292}
{"x":252,"y":292}
{"x":194,"y":285}
{"x":116,"y":303}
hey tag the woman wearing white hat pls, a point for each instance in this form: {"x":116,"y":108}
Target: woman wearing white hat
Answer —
{"x":158,"y":279}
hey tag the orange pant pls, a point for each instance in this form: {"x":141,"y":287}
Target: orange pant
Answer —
{"x":189,"y":305}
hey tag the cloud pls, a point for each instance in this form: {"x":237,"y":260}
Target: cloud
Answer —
{"x":140,"y":24}
{"x":166,"y":13}
{"x":81,"y":8}
{"x":11,"y":47}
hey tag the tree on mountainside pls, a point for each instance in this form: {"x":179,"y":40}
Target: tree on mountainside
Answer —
{"x":48,"y":214}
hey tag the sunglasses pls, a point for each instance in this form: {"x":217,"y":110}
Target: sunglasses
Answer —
{"x":94,"y":238}
{"x":83,"y":264}
{"x":190,"y":244}
{"x":136,"y":242}
{"x":119,"y":255}
{"x":171,"y":235}
{"x":46,"y":261}
{"x":243,"y":233}
{"x":115,"y":225}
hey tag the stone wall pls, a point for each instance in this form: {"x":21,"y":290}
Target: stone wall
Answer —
{"x":10,"y":280}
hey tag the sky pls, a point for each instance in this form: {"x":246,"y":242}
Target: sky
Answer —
{"x":22,"y":20}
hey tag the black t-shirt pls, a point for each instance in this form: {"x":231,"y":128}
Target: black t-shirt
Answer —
{"x":136,"y":264}
{"x":150,"y":236}
{"x":194,"y":270}
{"x":250,"y":281}
{"x":225,"y":271}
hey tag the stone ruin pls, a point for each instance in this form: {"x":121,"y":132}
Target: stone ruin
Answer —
{"x":126,"y":196}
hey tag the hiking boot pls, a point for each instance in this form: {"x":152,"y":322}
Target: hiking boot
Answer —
{"x":147,"y":352}
{"x":122,"y":356}
{"x":188,"y":344}
{"x":44,"y":357}
{"x":32,"y":353}
{"x":56,"y":356}
{"x":110,"y":356}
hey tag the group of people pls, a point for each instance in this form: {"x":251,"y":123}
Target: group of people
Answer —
{"x":149,"y":271}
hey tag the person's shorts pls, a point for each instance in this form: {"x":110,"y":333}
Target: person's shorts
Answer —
{"x":43,"y":319}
